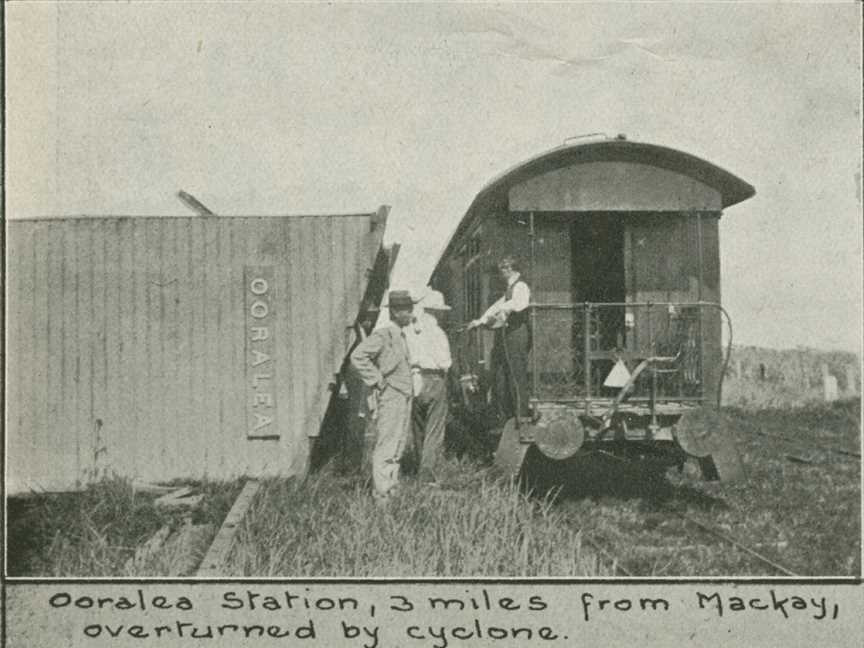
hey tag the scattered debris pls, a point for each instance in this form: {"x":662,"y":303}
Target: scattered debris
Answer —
{"x":194,"y":204}
{"x":179,"y":497}
{"x":147,"y":487}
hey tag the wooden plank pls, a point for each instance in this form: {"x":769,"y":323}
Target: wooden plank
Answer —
{"x":303,"y":302}
{"x":51,"y":442}
{"x":147,"y":487}
{"x":20,"y":271}
{"x":181,"y":550}
{"x":235,"y":338}
{"x":186,"y":420}
{"x":322,"y":297}
{"x":89,"y":368}
{"x":291,"y":318}
{"x":198,"y":443}
{"x":179,"y":497}
{"x":66,"y":320}
{"x":208,"y":416}
{"x":137,"y":265}
{"x":127,"y":360}
{"x":166,"y":289}
{"x":218,"y":552}
{"x":152,"y":467}
{"x":221,"y":351}
{"x":116,"y":435}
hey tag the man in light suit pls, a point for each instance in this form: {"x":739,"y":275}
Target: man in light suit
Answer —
{"x":383,"y":362}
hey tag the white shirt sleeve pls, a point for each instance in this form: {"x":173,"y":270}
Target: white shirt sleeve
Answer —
{"x":520,"y":299}
{"x":492,"y":311}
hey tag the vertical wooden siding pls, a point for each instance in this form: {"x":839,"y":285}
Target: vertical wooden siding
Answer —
{"x":126,"y":342}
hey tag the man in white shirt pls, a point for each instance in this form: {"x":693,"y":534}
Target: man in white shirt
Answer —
{"x":430,"y":362}
{"x":509,"y":317}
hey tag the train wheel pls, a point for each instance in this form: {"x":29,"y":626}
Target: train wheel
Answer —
{"x":510,"y":454}
{"x":696,"y":432}
{"x":561,"y":438}
{"x":704,"y":434}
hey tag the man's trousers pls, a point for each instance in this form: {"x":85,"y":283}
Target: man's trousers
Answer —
{"x":394,"y":418}
{"x":429,"y":420}
{"x":510,"y":371}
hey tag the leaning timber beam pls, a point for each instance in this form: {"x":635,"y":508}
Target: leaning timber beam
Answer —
{"x":217,"y":554}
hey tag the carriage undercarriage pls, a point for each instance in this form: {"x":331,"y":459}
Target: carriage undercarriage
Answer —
{"x":669,"y":436}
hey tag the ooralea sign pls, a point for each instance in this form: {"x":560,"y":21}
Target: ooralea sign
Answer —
{"x":261,"y":410}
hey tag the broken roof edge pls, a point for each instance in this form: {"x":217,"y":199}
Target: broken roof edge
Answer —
{"x":378,"y":215}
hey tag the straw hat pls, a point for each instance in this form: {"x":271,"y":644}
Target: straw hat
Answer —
{"x":434,"y":300}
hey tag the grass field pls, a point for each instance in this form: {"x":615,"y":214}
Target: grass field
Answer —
{"x":799,"y":505}
{"x":96,"y":532}
{"x":330,"y":526}
{"x":802,"y":512}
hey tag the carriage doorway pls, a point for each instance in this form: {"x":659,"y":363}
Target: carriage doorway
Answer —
{"x":597,"y":242}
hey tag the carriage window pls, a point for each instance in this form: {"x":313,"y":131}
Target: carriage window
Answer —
{"x":472,"y":287}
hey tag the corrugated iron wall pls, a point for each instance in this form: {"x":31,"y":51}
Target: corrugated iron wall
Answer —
{"x":129,"y":342}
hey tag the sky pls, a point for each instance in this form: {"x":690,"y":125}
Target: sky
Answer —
{"x":271,"y":108}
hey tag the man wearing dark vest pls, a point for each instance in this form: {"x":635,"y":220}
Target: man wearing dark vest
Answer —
{"x":509,"y":317}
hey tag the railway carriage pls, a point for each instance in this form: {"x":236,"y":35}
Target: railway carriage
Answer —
{"x":619,"y":242}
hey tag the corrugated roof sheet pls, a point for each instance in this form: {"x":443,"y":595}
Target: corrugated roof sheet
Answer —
{"x":158,"y":348}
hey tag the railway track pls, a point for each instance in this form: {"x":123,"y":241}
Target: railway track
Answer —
{"x":607,"y":550}
{"x":619,"y":565}
{"x":714,"y":531}
{"x":600,"y":549}
{"x":800,"y":444}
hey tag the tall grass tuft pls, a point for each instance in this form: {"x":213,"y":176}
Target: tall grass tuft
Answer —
{"x":327,"y":526}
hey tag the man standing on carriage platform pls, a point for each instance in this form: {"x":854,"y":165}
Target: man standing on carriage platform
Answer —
{"x":430,"y":362}
{"x":509,"y":318}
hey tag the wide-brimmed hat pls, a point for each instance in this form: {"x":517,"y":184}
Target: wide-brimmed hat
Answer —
{"x":434,"y":300}
{"x":400,"y":299}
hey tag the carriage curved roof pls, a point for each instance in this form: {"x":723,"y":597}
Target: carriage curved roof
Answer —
{"x":731,"y":188}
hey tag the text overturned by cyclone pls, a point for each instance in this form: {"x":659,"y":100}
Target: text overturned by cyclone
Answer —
{"x":459,"y":616}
